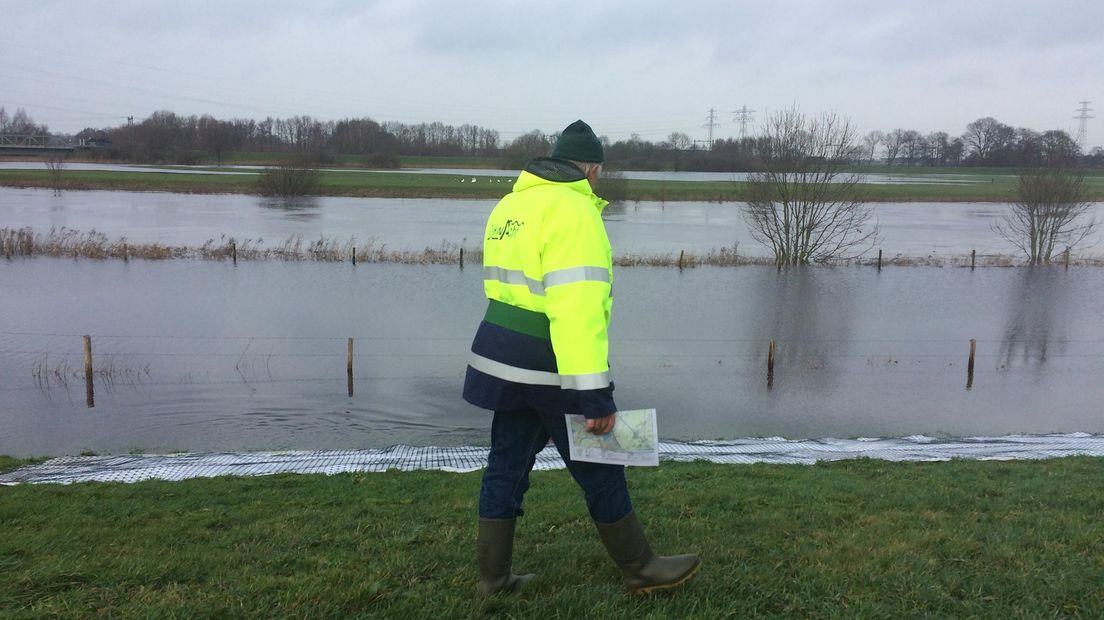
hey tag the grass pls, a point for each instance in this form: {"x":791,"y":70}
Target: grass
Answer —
{"x":849,"y":539}
{"x":8,"y":463}
{"x":262,"y":158}
{"x":988,"y":188}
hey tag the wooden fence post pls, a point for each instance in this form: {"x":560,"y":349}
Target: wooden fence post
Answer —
{"x":354,"y":255}
{"x":349,"y":367}
{"x":89,"y":395}
{"x":461,"y":258}
{"x":681,"y":254}
{"x":126,"y":251}
{"x":1067,"y":257}
{"x":970,"y":365}
{"x":770,"y":365}
{"x":879,"y":259}
{"x":234,"y":252}
{"x":973,"y":259}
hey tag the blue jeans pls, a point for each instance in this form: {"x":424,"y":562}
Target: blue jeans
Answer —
{"x":516,"y":438}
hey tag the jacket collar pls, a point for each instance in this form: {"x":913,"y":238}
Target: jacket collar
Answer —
{"x":545,"y":170}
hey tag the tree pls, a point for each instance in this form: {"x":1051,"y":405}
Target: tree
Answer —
{"x":801,"y":204}
{"x":939,"y":145}
{"x":1051,"y":213}
{"x":526,"y":147}
{"x":871,"y":141}
{"x":893,"y":142}
{"x":678,"y":141}
{"x":1057,"y":148}
{"x":913,"y":146}
{"x":986,"y":136}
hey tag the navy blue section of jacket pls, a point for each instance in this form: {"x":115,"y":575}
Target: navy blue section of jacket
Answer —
{"x":524,"y":351}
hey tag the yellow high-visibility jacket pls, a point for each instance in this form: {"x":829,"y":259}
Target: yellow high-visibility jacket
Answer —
{"x":548,"y":275}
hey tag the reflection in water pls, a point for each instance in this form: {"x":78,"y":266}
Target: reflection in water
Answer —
{"x":1036,"y":308}
{"x":295,"y":207}
{"x":799,"y":312}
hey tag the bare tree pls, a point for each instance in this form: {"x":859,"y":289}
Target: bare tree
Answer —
{"x":1051,"y":212}
{"x":678,"y":141}
{"x":893,"y":142}
{"x":871,"y":141}
{"x":55,"y":164}
{"x":801,"y":203}
{"x":985,"y":137}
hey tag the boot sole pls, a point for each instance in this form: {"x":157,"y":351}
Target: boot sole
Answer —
{"x":668,"y":586}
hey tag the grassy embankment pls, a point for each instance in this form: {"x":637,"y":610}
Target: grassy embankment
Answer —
{"x":996,"y":188}
{"x":849,"y":539}
{"x":262,"y":158}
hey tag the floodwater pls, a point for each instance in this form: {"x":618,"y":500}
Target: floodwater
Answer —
{"x":910,"y":229}
{"x":205,"y":355}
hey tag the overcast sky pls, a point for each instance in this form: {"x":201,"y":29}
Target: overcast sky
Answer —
{"x":624,"y":66}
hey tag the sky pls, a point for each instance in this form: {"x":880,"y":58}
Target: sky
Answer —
{"x":632,"y":66}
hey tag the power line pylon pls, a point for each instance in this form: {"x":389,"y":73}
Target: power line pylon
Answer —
{"x":743,"y":116}
{"x":711,"y":124}
{"x":1083,"y":126}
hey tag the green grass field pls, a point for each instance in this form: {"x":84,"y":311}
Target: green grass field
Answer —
{"x":262,"y":158}
{"x":852,"y":539}
{"x":996,"y":188}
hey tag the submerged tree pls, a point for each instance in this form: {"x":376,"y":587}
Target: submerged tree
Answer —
{"x":1051,"y":213}
{"x":801,"y":203}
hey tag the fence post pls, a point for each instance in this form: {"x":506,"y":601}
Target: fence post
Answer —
{"x":1067,"y":257}
{"x":770,"y":365}
{"x":973,"y":259}
{"x":89,"y":395}
{"x":234,"y":252}
{"x":126,"y":251}
{"x":970,"y":365}
{"x":354,"y":255}
{"x":461,"y":258}
{"x":879,"y":259}
{"x":349,"y":367}
{"x":681,"y":254}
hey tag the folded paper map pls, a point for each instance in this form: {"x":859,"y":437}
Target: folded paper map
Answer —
{"x":634,"y":440}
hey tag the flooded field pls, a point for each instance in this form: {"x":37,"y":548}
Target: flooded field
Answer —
{"x":910,"y":229}
{"x":198,"y":355}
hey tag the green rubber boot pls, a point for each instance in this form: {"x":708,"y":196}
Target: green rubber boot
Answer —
{"x":644,"y":571}
{"x":495,"y":548}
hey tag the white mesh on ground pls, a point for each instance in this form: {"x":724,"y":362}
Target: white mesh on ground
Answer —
{"x":133,"y":468}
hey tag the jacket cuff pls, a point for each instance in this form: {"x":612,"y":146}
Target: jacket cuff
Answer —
{"x":596,"y":403}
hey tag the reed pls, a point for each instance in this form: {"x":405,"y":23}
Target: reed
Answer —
{"x":67,"y":242}
{"x":48,"y":374}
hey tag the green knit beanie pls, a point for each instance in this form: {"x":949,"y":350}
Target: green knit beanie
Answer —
{"x":578,"y":143}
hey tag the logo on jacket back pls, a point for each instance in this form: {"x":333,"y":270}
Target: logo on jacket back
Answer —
{"x":498,"y":232}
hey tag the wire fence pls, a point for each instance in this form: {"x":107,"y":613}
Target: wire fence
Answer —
{"x":112,"y":360}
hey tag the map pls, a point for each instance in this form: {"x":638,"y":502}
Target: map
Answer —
{"x":633,"y":441}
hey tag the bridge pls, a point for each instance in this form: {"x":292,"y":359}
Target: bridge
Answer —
{"x":13,"y":143}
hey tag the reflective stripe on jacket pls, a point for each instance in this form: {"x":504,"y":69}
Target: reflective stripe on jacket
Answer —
{"x":547,"y":271}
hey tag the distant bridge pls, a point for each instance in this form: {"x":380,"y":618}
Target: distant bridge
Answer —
{"x":14,"y":143}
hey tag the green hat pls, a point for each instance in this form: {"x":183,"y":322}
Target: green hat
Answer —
{"x":578,"y":143}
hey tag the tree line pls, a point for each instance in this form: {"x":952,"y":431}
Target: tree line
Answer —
{"x":166,"y":137}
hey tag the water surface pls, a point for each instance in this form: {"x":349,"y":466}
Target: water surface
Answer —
{"x":201,"y":356}
{"x":910,"y":229}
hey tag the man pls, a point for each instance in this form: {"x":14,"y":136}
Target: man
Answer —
{"x":541,"y":352}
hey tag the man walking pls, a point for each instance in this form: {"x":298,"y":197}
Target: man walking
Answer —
{"x":541,"y":352}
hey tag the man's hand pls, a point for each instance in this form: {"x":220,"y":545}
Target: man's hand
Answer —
{"x":600,"y":426}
